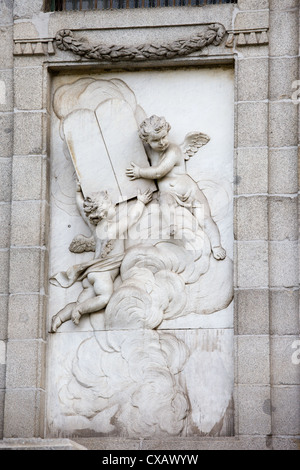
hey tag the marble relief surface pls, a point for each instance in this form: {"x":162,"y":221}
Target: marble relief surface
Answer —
{"x":141,"y":288}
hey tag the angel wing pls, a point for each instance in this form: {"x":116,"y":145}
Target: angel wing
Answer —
{"x":192,"y":142}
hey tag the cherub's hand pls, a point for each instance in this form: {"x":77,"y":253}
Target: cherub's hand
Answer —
{"x":133,"y":173}
{"x":145,"y":197}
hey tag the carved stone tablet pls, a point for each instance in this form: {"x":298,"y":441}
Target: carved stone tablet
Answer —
{"x":88,"y":152}
{"x":119,"y":131}
{"x":98,"y":141}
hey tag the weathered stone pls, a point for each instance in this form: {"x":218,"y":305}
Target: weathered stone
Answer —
{"x":26,"y":260}
{"x":284,"y":308}
{"x":286,"y":410}
{"x":6,"y":58}
{"x":253,"y":4}
{"x":6,"y":90}
{"x":252,"y":129}
{"x":4,"y":263}
{"x":283,"y":73}
{"x":283,"y":28}
{"x":5,"y":179}
{"x":283,"y":171}
{"x":27,"y":10}
{"x":3,"y":316}
{"x":23,"y":414}
{"x":283,"y":223}
{"x":6,"y":12}
{"x":252,"y":79}
{"x":30,"y":97}
{"x":2,"y":397}
{"x":26,"y":316}
{"x":29,"y":178}
{"x":284,"y":264}
{"x":252,"y":20}
{"x":251,"y":218}
{"x":285,"y":443}
{"x":282,"y":133}
{"x":254,"y":410}
{"x":253,"y":368}
{"x":25,"y":364}
{"x":253,"y":264}
{"x":6,"y":134}
{"x":5,"y":225}
{"x":286,"y":5}
{"x":28,"y":223}
{"x":138,"y":18}
{"x":252,"y":312}
{"x":40,"y":444}
{"x":284,"y":360}
{"x":252,"y":171}
{"x":29,"y":135}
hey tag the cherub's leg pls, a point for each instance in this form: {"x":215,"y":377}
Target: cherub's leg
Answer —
{"x":213,"y":233}
{"x":103,"y":287}
{"x":65,"y":313}
{"x":203,"y":216}
{"x":169,"y":223}
{"x":87,"y":291}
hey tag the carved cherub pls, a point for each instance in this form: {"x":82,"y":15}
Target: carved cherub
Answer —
{"x":169,"y":169}
{"x":97,"y":276}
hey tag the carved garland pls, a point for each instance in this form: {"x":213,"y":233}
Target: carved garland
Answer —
{"x":213,"y":34}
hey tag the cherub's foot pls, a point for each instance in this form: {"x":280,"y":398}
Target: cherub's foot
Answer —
{"x":62,"y":316}
{"x":76,"y":315}
{"x":55,"y":323}
{"x":218,"y":252}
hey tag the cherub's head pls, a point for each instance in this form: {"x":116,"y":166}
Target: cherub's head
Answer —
{"x":154,"y":131}
{"x":98,"y":206}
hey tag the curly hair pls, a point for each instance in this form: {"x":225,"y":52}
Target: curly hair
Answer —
{"x":93,"y":202}
{"x":152,"y":126}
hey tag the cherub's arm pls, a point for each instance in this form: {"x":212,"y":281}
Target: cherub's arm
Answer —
{"x":133,"y":215}
{"x":154,"y":172}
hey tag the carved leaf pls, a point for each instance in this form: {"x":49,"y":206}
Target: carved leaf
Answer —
{"x":213,"y":34}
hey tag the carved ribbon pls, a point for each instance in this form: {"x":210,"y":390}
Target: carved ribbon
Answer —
{"x":212,"y":34}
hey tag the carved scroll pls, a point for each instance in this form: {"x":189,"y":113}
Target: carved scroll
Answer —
{"x":212,"y":34}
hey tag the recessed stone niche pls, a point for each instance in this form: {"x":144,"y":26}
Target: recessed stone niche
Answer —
{"x":141,"y":323}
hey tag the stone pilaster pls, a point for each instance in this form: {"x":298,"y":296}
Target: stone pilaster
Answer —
{"x":252,"y":401}
{"x":6,"y":152}
{"x":28,"y":263}
{"x":283,"y":229}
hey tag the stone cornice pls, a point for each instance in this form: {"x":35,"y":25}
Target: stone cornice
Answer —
{"x":42,"y":46}
{"x":248,"y":37}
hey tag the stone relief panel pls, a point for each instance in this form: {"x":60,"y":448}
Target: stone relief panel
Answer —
{"x":141,"y":272}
